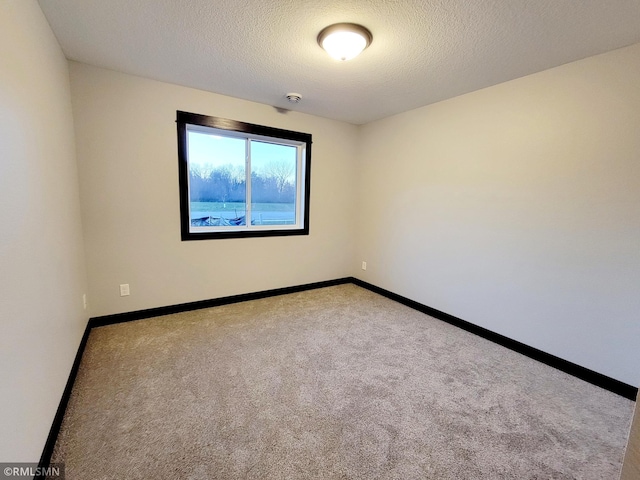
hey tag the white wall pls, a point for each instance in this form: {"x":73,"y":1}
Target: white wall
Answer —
{"x":128,"y":164}
{"x":42,"y":268}
{"x":517,"y":208}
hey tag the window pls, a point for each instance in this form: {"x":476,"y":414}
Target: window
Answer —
{"x":241,"y":180}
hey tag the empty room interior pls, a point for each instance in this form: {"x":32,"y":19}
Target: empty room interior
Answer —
{"x":443,"y":283}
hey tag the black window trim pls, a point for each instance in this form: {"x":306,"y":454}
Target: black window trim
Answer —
{"x":185,"y":118}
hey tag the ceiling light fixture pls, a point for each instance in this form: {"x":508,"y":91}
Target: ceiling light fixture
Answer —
{"x":344,"y":41}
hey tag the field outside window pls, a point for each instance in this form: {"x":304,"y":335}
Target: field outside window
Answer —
{"x":241,"y":181}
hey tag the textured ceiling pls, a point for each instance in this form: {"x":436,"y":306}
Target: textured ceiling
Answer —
{"x":423,"y":51}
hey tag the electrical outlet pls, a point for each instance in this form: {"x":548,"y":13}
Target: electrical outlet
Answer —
{"x":124,"y":290}
{"x":364,"y":265}
{"x":84,"y":301}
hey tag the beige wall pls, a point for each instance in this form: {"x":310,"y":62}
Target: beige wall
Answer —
{"x":42,"y":273}
{"x":128,"y":164}
{"x":631,"y":467}
{"x":517,"y":208}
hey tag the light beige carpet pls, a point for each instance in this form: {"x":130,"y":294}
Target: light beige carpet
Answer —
{"x":335,"y":383}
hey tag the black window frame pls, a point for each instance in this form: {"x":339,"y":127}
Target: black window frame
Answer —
{"x":185,"y":118}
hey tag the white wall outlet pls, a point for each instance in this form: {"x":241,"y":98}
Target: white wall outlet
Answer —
{"x":84,"y":300}
{"x":124,"y":290}
{"x":364,"y":265}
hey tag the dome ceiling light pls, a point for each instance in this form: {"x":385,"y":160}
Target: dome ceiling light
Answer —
{"x":344,"y":41}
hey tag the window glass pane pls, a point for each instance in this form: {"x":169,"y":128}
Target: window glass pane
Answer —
{"x":273,"y":184}
{"x":225,"y":164}
{"x":217,"y":180}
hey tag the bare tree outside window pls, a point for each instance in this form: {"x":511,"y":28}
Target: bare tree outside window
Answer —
{"x":242,"y":179}
{"x":283,"y":172}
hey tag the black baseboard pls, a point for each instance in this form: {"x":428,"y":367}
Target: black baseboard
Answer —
{"x":45,"y":458}
{"x":595,"y":378}
{"x":214,"y":302}
{"x":603,"y":381}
